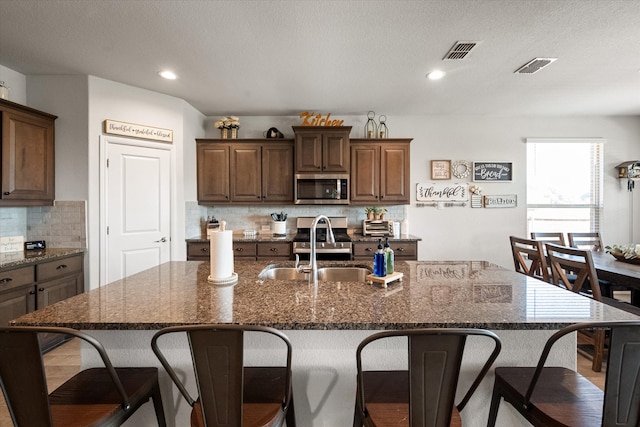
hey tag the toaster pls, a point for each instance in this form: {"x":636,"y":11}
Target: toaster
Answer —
{"x":377,"y":227}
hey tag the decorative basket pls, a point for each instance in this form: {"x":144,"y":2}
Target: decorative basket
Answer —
{"x":621,"y":257}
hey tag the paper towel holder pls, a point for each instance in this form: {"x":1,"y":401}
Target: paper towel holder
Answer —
{"x":231,"y":280}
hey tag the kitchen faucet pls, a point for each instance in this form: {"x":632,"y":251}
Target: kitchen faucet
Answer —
{"x":313,"y":263}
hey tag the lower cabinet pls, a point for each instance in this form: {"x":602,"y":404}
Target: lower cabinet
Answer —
{"x":199,"y":251}
{"x":402,"y":251}
{"x":30,"y":288}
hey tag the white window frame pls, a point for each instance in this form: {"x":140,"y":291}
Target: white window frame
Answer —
{"x":596,"y":204}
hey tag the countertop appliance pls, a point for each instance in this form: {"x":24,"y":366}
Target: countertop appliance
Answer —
{"x":338,"y":251}
{"x":377,"y":227}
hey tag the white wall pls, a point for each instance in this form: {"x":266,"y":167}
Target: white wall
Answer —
{"x":116,"y":101}
{"x":17,"y":84}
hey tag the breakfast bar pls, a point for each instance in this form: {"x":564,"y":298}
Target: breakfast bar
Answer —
{"x":326,"y":321}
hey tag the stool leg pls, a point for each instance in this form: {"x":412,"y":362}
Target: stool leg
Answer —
{"x":493,"y":409}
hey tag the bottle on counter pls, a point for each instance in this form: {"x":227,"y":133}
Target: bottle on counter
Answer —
{"x":388,"y":256}
{"x":379,"y":261}
{"x":405,"y":226}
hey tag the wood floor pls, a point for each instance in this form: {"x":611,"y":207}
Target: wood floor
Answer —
{"x":64,"y":361}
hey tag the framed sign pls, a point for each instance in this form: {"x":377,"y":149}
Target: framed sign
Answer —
{"x":504,"y":201}
{"x":441,"y":192}
{"x":492,"y":171}
{"x":440,"y":169}
{"x":138,"y":131}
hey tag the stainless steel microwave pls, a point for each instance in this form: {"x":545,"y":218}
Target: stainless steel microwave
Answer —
{"x":321,"y":189}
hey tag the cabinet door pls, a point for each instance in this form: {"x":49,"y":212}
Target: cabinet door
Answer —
{"x":335,"y":151}
{"x":17,"y":293}
{"x":365,"y":172}
{"x":27,"y":159}
{"x":309,"y":152}
{"x":198,"y":251}
{"x":244,"y":250}
{"x":246,"y":173}
{"x":213,"y":172}
{"x":394,"y":173}
{"x":270,"y":250}
{"x":364,"y":250}
{"x":405,"y":250}
{"x":57,"y":290}
{"x":277,"y":172}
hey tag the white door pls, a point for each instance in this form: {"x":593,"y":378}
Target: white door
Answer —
{"x":137,"y":208}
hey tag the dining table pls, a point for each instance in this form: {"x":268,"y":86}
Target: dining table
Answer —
{"x":622,"y":273}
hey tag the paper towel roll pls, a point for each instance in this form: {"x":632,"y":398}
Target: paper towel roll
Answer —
{"x":221,"y":253}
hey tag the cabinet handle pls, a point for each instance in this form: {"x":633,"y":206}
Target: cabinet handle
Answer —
{"x":204,"y":249}
{"x":6,"y":280}
{"x":6,"y":193}
{"x":274,"y":249}
{"x":41,"y":289}
{"x":240,"y":249}
{"x":400,"y":250}
{"x":368,"y":249}
{"x":32,"y":292}
{"x":61,"y":267}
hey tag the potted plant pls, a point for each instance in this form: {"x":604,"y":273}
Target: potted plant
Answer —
{"x":369,"y":211}
{"x":383,"y":212}
{"x":376,"y":212}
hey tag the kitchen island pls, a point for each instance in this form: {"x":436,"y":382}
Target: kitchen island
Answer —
{"x":326,"y":322}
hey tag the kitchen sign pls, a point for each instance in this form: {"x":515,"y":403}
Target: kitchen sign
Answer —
{"x":313,"y":119}
{"x":492,"y":171}
{"x":138,"y":131}
{"x":504,"y":201}
{"x":437,"y":192}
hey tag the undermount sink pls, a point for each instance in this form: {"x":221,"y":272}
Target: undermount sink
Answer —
{"x":327,"y":274}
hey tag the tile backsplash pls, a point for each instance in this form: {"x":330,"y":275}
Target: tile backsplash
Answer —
{"x":13,"y":222}
{"x":254,"y":217}
{"x":63,"y":225}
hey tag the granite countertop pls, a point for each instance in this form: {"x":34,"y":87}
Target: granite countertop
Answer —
{"x":433,"y":294}
{"x":268,"y":237}
{"x":10,"y":260}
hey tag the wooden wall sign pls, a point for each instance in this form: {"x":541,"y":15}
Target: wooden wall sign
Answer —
{"x":492,"y":171}
{"x":440,"y":192}
{"x":137,"y":131}
{"x":313,"y":119}
{"x":504,"y":201}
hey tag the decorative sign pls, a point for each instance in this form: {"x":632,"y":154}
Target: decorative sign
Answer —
{"x":492,"y":171}
{"x":504,"y":201}
{"x":11,"y":244}
{"x":440,"y":192}
{"x":440,"y":169}
{"x":138,"y":131}
{"x":313,"y":119}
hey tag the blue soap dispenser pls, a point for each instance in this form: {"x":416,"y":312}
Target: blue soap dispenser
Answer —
{"x":379,"y":261}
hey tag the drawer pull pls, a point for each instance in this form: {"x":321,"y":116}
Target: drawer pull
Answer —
{"x":6,"y":280}
{"x":274,"y":249}
{"x":204,"y":250}
{"x":61,"y":267}
{"x":368,"y":249}
{"x":41,"y":289}
{"x":32,"y":292}
{"x":240,"y":249}
{"x":400,"y":249}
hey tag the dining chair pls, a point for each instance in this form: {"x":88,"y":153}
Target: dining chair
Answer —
{"x":549,"y":237}
{"x":529,"y":257}
{"x":590,"y":241}
{"x":422,"y":395}
{"x":231,"y":394}
{"x":556,"y":396}
{"x":563,"y":259}
{"x":103,"y":396}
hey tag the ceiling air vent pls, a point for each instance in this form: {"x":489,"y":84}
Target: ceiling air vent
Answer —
{"x":534,"y":65}
{"x":460,"y":50}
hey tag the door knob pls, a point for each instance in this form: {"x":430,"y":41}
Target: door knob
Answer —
{"x":162,"y":240}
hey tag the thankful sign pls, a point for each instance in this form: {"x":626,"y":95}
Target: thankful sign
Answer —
{"x":436,"y":192}
{"x":313,"y":119}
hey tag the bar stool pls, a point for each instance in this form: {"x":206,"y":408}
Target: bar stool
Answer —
{"x":231,"y":394}
{"x":97,"y":396}
{"x":424,"y":393}
{"x":555,"y":396}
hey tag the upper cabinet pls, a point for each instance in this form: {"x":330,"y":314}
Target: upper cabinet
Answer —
{"x":246,"y":171}
{"x":380,"y":171}
{"x":27,"y":174}
{"x":322,"y":149}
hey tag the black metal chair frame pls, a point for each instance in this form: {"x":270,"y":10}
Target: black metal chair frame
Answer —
{"x":620,"y":403}
{"x":23,"y":381}
{"x":217,"y":351}
{"x":428,"y":405}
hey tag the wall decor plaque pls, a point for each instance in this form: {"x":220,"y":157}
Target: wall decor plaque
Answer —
{"x":313,"y":119}
{"x":503,"y":201}
{"x":440,"y":169}
{"x":492,"y":171}
{"x":133,"y":130}
{"x":441,"y":192}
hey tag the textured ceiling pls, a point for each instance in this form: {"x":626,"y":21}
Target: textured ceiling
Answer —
{"x":281,"y":57}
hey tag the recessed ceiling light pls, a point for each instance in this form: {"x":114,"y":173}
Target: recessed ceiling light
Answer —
{"x":436,"y":75}
{"x":169,"y":75}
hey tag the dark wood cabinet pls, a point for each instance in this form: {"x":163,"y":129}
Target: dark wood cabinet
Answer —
{"x":247,"y":171}
{"x":322,"y":149}
{"x":27,"y":159}
{"x":402,"y":251}
{"x":30,"y":288}
{"x":380,"y":171}
{"x":199,"y":251}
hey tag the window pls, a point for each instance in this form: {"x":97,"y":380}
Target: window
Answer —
{"x":564,"y":178}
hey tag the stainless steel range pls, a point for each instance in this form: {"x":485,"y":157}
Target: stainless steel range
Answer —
{"x":338,"y":251}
